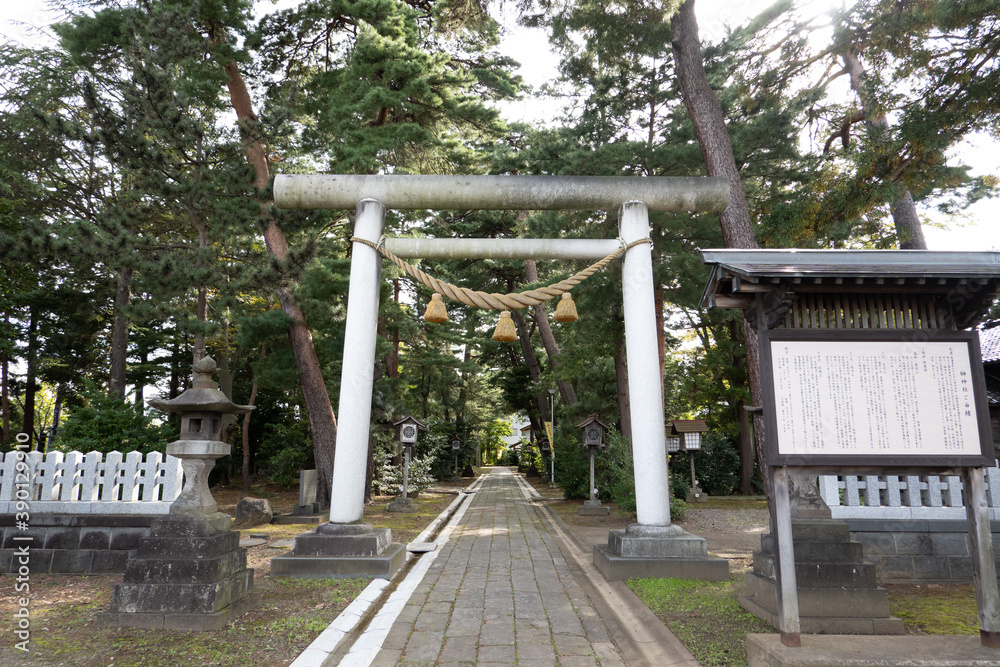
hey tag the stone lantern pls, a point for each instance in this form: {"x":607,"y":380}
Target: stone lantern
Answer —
{"x":456,"y":446}
{"x":201,"y":408}
{"x":593,"y":439}
{"x":190,"y":572}
{"x":408,"y":429}
{"x":685,"y":435}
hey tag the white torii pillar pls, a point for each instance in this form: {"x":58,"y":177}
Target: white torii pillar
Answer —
{"x":633,"y":196}
{"x":645,"y":390}
{"x":357,"y":373}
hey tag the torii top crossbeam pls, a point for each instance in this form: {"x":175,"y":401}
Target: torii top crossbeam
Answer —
{"x":536,"y":193}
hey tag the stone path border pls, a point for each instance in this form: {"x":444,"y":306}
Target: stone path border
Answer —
{"x":507,"y":584}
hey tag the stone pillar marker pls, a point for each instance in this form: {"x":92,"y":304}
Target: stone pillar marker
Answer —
{"x":190,"y":572}
{"x":308,"y":480}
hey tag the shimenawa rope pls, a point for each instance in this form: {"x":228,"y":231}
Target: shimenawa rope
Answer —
{"x":511,"y":301}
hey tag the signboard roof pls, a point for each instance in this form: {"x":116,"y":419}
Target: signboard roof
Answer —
{"x":738,"y":275}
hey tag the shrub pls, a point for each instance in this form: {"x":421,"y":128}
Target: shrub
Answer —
{"x":717,"y":466}
{"x":389,"y":478}
{"x":107,"y":423}
{"x":614,"y":473}
{"x":678,"y":509}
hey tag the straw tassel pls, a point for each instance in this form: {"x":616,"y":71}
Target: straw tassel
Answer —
{"x":505,"y":331}
{"x":566,"y":309}
{"x":436,"y":312}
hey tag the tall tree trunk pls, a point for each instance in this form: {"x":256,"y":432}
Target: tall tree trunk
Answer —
{"x":566,"y":391}
{"x":392,"y":358}
{"x":226,"y":387}
{"x":139,"y":379}
{"x":5,"y":390}
{"x":119,"y":334}
{"x":530,"y":360}
{"x":710,"y":126}
{"x":661,"y":334}
{"x":370,"y":467}
{"x":710,"y":129}
{"x":202,"y":306}
{"x":463,"y":391}
{"x":743,"y":419}
{"x":246,"y":426}
{"x":177,"y":375}
{"x":31,"y":360}
{"x":56,"y":415}
{"x":909,"y":233}
{"x":621,"y":377}
{"x":322,"y":422}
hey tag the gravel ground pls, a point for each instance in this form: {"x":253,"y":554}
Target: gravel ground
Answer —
{"x":729,"y":533}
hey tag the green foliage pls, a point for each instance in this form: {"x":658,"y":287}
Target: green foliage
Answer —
{"x":572,"y":468}
{"x":614,"y":474}
{"x":490,"y":438}
{"x":285,"y":448}
{"x":678,"y":509}
{"x":716,"y":466}
{"x":389,"y":477}
{"x":104,"y":423}
{"x":680,"y":479}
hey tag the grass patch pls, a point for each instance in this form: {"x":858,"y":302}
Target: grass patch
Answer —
{"x":705,"y":616}
{"x":931,"y":609}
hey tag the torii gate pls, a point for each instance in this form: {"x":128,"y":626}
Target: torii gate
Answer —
{"x":633,"y":197}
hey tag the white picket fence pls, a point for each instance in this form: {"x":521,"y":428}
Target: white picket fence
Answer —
{"x":94,"y":483}
{"x":898,"y":497}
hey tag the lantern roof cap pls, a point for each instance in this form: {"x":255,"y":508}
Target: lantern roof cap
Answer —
{"x":411,"y":420}
{"x":203,"y":396}
{"x":678,"y":426}
{"x":591,"y":419}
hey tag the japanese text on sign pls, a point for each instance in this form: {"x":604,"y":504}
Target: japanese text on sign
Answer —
{"x":874,"y":397}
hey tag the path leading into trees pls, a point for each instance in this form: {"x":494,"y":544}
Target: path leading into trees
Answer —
{"x":512,"y":586}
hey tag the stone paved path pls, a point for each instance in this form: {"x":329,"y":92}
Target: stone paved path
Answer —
{"x":499,"y":593}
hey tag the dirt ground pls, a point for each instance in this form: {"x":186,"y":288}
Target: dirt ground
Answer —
{"x":730,"y":532}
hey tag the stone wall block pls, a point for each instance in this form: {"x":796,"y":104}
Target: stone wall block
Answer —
{"x":949,"y":544}
{"x":876,"y":543}
{"x":95,"y":538}
{"x":126,"y":538}
{"x":62,"y":538}
{"x":913,"y":543}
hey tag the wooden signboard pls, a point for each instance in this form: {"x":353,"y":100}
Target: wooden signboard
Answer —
{"x":881,"y":398}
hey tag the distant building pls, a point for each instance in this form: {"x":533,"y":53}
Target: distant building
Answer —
{"x":989,"y":344}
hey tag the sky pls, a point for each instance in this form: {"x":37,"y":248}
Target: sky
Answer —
{"x":979,"y":229}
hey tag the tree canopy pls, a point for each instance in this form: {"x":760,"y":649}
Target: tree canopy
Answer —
{"x":138,"y":232}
